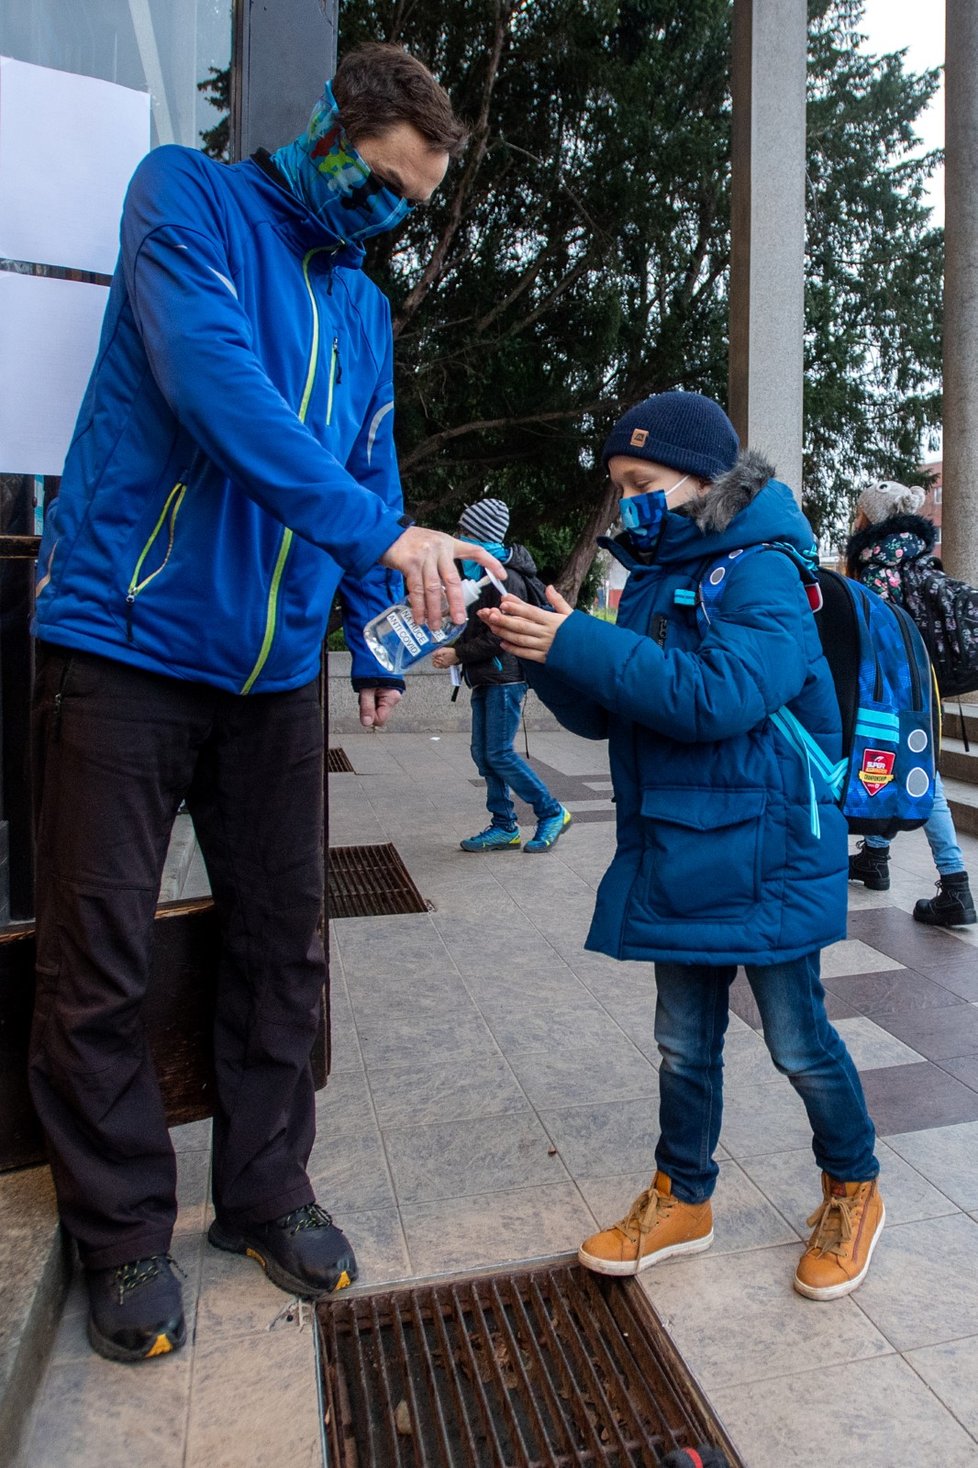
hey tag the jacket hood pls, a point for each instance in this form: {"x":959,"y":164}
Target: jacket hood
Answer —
{"x":745,"y":506}
{"x":521,"y":560}
{"x":903,"y":527}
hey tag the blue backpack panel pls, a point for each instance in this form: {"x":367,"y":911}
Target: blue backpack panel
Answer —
{"x":884,"y":782}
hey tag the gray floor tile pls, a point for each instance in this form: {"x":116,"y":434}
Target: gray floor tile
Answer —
{"x":457,"y":1089}
{"x":736,"y":1317}
{"x":379,"y":1244}
{"x":438,"y":1038}
{"x":951,"y":1372}
{"x":922,"y":1289}
{"x":345,"y":1105}
{"x":506,"y":1228}
{"x":350,"y":1172}
{"x":606,"y":1138}
{"x":481,"y":1155}
{"x":871,"y":1046}
{"x":937,"y":1034}
{"x":875,"y":1413}
{"x":891,"y":991}
{"x":904,"y":1098}
{"x":853,"y":956}
{"x":265,"y":1384}
{"x":766,"y":1118}
{"x":236,"y":1296}
{"x":946,"y":1156}
{"x":791,"y":1181}
{"x":540,"y":1028}
{"x":571,"y":1075}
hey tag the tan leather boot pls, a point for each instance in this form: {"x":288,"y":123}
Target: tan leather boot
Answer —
{"x":656,"y":1226}
{"x":846,"y":1225}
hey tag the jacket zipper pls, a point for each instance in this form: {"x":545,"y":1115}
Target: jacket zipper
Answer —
{"x":285,"y":544}
{"x":171,"y":508}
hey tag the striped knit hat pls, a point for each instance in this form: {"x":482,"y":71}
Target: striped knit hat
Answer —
{"x":486,"y":520}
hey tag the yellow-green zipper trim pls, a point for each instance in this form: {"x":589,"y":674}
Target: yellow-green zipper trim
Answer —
{"x":171,"y":507}
{"x":271,"y":611}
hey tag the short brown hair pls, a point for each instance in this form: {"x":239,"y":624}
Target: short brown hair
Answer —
{"x":378,"y":85}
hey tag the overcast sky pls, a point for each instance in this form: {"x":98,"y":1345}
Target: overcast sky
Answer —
{"x":892,"y":25}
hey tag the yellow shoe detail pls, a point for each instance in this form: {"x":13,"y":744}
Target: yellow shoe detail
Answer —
{"x":254,"y":1254}
{"x":343,"y":1282}
{"x":161,"y":1346}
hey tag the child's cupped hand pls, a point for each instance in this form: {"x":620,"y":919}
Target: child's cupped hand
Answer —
{"x":527,"y":631}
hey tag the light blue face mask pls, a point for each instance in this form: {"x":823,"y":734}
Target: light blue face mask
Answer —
{"x":326,"y":172}
{"x":472,"y":570}
{"x":644,"y":515}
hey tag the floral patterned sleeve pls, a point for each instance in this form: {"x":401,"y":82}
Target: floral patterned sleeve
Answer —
{"x":885,"y":581}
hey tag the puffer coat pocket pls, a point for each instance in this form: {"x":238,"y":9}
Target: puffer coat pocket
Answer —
{"x":703,"y":851}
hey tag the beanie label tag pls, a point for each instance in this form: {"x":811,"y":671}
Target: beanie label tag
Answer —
{"x":638,"y":438}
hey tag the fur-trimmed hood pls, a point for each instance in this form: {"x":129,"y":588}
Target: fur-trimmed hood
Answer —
{"x":878,"y":544}
{"x":713,"y":511}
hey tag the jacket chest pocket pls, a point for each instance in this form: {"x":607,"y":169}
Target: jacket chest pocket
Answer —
{"x":704,"y":851}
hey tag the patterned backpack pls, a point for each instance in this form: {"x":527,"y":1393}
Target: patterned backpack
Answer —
{"x":884,"y":782}
{"x":945,"y":612}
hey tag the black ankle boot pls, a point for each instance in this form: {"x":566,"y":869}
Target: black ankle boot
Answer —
{"x":135,"y":1310}
{"x":952,"y":907}
{"x":871,"y":866}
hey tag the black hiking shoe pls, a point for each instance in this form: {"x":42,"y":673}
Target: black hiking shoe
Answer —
{"x":871,"y":866}
{"x":952,"y":907}
{"x":135,"y":1309}
{"x":303,"y":1252}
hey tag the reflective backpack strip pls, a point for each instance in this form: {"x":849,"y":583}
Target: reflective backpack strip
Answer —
{"x":874,"y":724}
{"x":789,"y":733}
{"x":832,"y":772}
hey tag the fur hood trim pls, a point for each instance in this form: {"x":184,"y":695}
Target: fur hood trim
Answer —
{"x":924,"y":530}
{"x":731,"y":493}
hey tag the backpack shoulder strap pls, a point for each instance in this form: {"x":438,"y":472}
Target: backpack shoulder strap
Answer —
{"x":713,"y":580}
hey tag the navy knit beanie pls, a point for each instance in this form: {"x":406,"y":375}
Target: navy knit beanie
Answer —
{"x":683,"y":430}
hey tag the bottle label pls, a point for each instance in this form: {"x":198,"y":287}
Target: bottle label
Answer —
{"x":405,"y":635}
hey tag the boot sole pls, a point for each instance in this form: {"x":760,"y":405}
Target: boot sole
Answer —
{"x":621,"y":1267}
{"x":290,"y":1283}
{"x":165,"y":1343}
{"x":931,"y":922}
{"x":834,"y":1292}
{"x":872,"y":884}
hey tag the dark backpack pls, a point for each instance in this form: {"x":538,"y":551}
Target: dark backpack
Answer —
{"x":536,"y":592}
{"x":884,"y":782}
{"x":945,"y":612}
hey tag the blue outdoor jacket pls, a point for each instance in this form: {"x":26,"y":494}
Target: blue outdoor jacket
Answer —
{"x":716,"y":861}
{"x":233,"y":457}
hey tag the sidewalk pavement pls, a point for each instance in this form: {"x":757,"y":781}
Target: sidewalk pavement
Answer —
{"x":493,"y":1099}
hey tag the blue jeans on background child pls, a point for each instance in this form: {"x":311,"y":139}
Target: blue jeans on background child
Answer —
{"x":940,"y":833}
{"x":496,"y":711}
{"x":692,"y":1011}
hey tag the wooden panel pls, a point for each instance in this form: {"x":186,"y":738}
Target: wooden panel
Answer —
{"x":179,"y":1016}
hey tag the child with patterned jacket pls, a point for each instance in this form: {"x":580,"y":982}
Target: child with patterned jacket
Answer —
{"x":719,"y":859}
{"x":887,"y":533}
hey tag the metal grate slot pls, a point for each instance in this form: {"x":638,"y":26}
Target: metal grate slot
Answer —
{"x":541,"y":1369}
{"x":338,"y":762}
{"x":369,"y":881}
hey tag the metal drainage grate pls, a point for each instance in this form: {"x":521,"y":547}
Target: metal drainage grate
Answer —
{"x":550,"y":1367}
{"x":369,"y":881}
{"x":338,"y":762}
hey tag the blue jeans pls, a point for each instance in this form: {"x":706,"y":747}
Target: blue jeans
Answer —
{"x":940,"y":834}
{"x":496,"y":710}
{"x":691,"y":1014}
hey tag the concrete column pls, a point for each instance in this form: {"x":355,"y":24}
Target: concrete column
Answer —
{"x":767,"y":271}
{"x":283,"y":53}
{"x":960,"y":508}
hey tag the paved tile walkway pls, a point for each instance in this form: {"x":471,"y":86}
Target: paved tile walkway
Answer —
{"x":494,"y":1096}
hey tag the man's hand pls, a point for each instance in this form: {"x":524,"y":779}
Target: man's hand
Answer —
{"x":446,"y":657}
{"x":524,"y":630}
{"x":426,"y":560}
{"x":377,"y":705}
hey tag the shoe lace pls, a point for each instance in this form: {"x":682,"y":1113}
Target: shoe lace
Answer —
{"x":138,"y":1272}
{"x":834,"y":1222}
{"x":641,"y":1217}
{"x":310,"y":1215}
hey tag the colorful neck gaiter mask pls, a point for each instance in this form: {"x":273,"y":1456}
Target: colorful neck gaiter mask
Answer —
{"x":473,"y":570}
{"x":326,"y":172}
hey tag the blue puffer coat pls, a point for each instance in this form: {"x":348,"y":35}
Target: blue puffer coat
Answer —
{"x":716,"y":861}
{"x":233,"y":462}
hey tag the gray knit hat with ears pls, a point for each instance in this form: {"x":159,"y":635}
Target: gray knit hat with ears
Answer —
{"x":486,"y":520}
{"x":885,"y":498}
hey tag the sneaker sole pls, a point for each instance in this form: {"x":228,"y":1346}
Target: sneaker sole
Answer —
{"x":621,"y":1267}
{"x":835,"y":1292}
{"x":165,"y":1343}
{"x":291,"y":1283}
{"x":487,"y":850}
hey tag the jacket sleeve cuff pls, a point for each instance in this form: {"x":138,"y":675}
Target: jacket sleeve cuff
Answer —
{"x":359,"y":684}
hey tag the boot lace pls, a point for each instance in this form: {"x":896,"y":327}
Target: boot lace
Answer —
{"x":834,"y":1222}
{"x":641,"y":1217}
{"x":310,"y":1215}
{"x":138,"y":1272}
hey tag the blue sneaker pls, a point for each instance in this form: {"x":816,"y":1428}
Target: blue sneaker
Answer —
{"x":548,"y":831}
{"x":493,"y":838}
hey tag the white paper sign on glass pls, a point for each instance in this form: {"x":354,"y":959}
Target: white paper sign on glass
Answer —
{"x":49,"y":337}
{"x":68,"y":148}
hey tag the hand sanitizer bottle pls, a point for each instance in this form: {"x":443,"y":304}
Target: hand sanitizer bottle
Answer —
{"x":397,"y":641}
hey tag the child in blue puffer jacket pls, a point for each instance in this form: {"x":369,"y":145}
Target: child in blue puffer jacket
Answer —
{"x":721,"y":859}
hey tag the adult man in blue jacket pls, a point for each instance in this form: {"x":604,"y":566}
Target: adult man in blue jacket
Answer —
{"x":232,"y":468}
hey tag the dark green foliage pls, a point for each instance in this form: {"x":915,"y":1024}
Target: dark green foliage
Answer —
{"x":216,"y":141}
